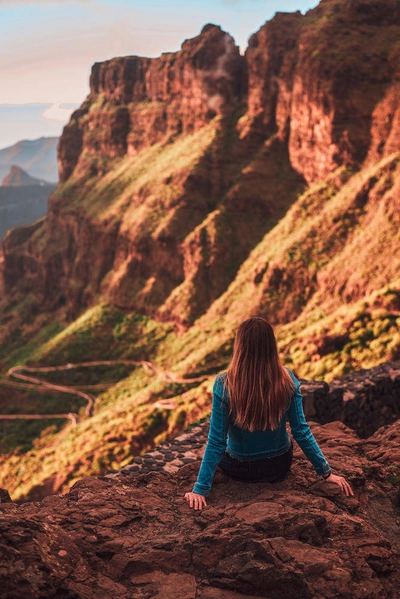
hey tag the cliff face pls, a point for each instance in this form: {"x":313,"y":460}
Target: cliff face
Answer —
{"x":216,"y":133}
{"x":137,"y":105}
{"x":318,"y":81}
{"x":135,"y":102}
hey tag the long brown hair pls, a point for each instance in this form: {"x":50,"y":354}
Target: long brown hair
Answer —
{"x":259,"y":386}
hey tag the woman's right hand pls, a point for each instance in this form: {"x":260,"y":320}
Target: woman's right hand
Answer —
{"x":342,"y":482}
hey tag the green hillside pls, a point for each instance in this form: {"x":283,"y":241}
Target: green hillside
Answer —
{"x":319,"y":335}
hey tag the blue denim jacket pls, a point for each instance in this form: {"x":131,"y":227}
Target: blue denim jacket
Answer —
{"x":245,"y":445}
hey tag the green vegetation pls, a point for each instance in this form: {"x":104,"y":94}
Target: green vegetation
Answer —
{"x":352,"y":337}
{"x":342,"y":49}
{"x":322,"y":338}
{"x":19,"y":345}
{"x":135,"y":186}
{"x":394,"y":479}
{"x":103,"y":333}
{"x":20,"y":436}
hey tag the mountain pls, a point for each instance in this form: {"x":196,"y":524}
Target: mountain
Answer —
{"x":17,"y":177}
{"x":38,"y":157}
{"x":23,"y":199}
{"x":196,"y":189}
{"x":22,"y":205}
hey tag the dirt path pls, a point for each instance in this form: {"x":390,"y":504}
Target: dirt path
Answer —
{"x":169,"y":376}
{"x":73,"y":417}
{"x":38,"y":384}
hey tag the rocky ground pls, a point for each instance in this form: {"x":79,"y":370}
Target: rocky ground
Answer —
{"x":131,"y":534}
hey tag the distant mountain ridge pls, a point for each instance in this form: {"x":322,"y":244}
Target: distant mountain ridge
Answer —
{"x":37,"y":157}
{"x":23,"y":199}
{"x":221,"y":172}
{"x":17,"y":177}
{"x":22,"y":205}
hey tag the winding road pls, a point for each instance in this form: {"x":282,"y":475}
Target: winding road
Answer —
{"x":38,"y":384}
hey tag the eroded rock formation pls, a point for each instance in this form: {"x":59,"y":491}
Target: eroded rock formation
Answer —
{"x":313,"y":93}
{"x":135,"y":102}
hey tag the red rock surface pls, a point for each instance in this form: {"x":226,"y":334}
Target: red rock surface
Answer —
{"x":320,"y":83}
{"x":142,"y":100}
{"x":318,"y":80}
{"x":137,"y":537}
{"x":314,"y":92}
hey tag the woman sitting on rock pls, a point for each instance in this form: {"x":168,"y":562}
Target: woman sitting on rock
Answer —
{"x":251,"y":403}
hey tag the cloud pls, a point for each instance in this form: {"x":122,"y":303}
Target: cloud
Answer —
{"x":59,"y":113}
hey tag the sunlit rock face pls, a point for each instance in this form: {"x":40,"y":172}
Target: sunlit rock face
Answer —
{"x":320,"y":80}
{"x":135,"y":102}
{"x":271,"y":57}
{"x":175,"y":168}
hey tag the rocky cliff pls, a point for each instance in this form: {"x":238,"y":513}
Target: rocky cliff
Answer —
{"x":135,"y":536}
{"x":143,"y":101}
{"x":166,"y":104}
{"x":216,"y":133}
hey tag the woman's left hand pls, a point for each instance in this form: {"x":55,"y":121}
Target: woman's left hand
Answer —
{"x":195,"y":500}
{"x":342,"y":482}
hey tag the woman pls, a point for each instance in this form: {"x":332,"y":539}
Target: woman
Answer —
{"x":251,"y":402}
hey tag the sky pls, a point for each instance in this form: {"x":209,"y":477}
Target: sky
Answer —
{"x":47,"y":47}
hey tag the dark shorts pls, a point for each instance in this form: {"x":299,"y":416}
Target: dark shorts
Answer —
{"x":266,"y":470}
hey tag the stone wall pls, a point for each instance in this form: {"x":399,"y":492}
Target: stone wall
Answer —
{"x":363,"y":400}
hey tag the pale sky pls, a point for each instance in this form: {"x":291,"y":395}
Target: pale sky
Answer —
{"x":47,"y":47}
